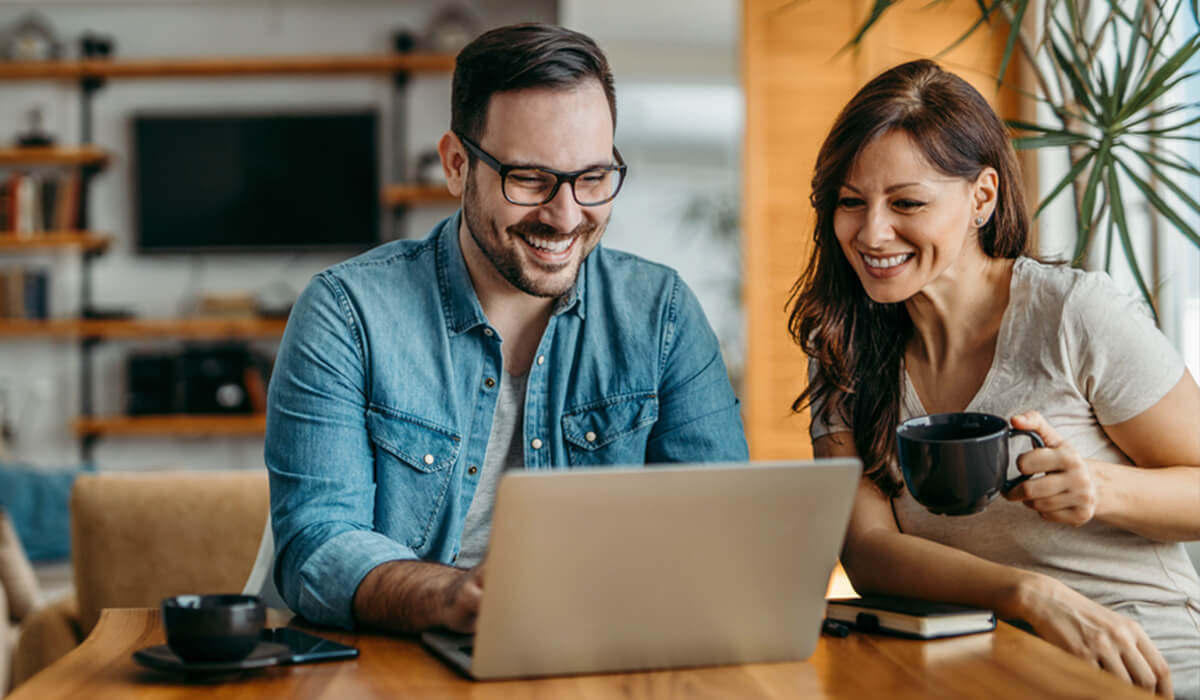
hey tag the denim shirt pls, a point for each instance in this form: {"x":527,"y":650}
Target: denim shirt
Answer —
{"x":384,"y":388}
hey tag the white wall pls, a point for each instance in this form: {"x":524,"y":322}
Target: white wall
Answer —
{"x":679,"y":128}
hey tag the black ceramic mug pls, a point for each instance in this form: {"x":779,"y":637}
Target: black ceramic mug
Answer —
{"x":956,"y":463}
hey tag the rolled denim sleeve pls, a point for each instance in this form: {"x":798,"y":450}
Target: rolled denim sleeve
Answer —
{"x":320,"y":460}
{"x":699,"y":416}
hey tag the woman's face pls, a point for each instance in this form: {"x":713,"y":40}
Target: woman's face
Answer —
{"x":901,"y":223}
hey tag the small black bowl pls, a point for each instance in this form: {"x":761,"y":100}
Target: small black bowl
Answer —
{"x":213,"y":628}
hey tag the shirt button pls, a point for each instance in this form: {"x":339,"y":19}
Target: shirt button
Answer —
{"x":590,"y":436}
{"x":541,"y":359}
{"x":536,"y":444}
{"x":429,"y":459}
{"x":472,"y":469}
{"x":488,"y":332}
{"x":489,"y":382}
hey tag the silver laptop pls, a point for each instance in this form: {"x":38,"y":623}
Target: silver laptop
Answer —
{"x":619,"y":569}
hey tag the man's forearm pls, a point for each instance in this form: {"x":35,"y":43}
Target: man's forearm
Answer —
{"x":405,"y":596}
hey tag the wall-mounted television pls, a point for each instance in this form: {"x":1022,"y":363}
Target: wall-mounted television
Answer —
{"x":256,"y":182}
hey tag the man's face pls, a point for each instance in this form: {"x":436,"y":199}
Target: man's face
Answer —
{"x":538,"y":249}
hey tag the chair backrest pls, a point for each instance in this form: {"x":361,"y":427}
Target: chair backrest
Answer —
{"x":262,"y":577}
{"x":137,"y":538}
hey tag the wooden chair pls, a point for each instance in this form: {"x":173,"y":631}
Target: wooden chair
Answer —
{"x":137,"y":538}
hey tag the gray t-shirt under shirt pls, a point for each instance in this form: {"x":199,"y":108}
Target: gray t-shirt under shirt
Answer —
{"x":505,"y":450}
{"x":1076,"y":349}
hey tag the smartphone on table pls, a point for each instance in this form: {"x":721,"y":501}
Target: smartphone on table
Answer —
{"x":307,"y":648}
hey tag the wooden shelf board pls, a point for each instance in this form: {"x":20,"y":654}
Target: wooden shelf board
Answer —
{"x":401,"y":195}
{"x":172,"y":425}
{"x":46,"y":240}
{"x":207,"y":328}
{"x":227,"y":66}
{"x":53,"y":155}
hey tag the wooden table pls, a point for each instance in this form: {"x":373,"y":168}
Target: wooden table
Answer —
{"x":1006,"y":663}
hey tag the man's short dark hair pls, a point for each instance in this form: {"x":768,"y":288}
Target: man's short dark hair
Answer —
{"x":522,"y":56}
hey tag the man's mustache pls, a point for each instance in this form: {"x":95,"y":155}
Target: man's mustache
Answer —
{"x":537,"y":228}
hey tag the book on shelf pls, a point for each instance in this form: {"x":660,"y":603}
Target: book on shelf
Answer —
{"x":909,"y":617}
{"x":24,"y":294}
{"x":31,"y":203}
{"x":26,"y":218}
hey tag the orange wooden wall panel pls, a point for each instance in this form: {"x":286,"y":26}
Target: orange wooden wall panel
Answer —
{"x":795,"y":83}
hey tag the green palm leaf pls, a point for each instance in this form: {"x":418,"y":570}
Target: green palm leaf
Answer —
{"x":1182,"y":166}
{"x":1125,"y":72}
{"x":985,"y":17}
{"x":1157,"y":202}
{"x":1014,"y":31}
{"x":1022,"y":144}
{"x":1183,"y":195}
{"x":1163,"y":79}
{"x":1088,"y":206}
{"x":877,"y":11}
{"x":1067,"y":179}
{"x":1118,"y":217}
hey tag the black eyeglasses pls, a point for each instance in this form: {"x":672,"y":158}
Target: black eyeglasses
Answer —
{"x":529,"y":186}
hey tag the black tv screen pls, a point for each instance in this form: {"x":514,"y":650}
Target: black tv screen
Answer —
{"x":256,"y":182}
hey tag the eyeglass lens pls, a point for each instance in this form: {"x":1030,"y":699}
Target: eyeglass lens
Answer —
{"x":532,"y":186}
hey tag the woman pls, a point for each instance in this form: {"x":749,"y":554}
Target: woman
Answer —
{"x":919,"y":299}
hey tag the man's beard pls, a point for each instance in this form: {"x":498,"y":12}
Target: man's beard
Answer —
{"x":507,"y":261}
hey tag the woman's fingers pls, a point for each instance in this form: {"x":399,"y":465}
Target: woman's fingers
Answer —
{"x":1110,"y":659}
{"x":1032,"y":420}
{"x":1065,"y":492}
{"x":1138,"y":668}
{"x":1158,"y":666}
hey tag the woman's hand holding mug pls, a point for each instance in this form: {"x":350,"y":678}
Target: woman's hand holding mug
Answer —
{"x":1068,"y":491}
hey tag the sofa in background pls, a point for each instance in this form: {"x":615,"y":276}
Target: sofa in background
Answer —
{"x":137,"y":538}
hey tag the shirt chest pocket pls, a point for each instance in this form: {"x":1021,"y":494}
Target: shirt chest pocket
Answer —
{"x":611,"y":431}
{"x":413,"y":460}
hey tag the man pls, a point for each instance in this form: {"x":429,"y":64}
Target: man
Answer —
{"x":411,"y":376}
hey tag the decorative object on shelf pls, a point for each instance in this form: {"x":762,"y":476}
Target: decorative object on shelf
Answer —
{"x":92,"y":45}
{"x":224,"y":305}
{"x":32,"y":39}
{"x":452,"y":27}
{"x":274,"y":300}
{"x":34,"y":136}
{"x":429,"y":168}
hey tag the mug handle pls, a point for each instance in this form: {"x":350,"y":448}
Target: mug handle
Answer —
{"x":1037,"y":443}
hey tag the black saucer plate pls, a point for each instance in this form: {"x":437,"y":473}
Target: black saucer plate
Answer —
{"x":161,"y":658}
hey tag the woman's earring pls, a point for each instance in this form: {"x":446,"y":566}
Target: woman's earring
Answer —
{"x":979,"y":221}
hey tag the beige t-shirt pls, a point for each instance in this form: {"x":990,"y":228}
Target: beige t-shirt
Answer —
{"x":1076,"y":349}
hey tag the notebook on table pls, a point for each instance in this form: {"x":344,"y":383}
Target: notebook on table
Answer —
{"x":619,"y":569}
{"x":909,"y":617}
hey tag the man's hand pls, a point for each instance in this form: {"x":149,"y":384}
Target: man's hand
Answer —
{"x":460,"y":602}
{"x":415,"y":596}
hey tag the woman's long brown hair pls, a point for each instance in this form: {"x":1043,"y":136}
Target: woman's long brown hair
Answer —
{"x":856,"y":343}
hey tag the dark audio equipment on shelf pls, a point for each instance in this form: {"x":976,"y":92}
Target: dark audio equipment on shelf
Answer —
{"x":218,"y":379}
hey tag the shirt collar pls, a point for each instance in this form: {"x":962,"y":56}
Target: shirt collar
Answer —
{"x":460,"y":305}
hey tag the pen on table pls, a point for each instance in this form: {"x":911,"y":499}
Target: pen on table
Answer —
{"x":835,"y":628}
